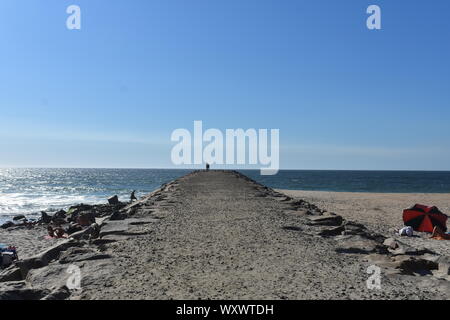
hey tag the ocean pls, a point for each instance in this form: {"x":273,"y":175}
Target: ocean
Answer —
{"x":30,"y":191}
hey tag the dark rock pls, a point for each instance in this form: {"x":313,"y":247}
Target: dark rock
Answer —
{"x":331,"y":232}
{"x":61,"y":214}
{"x":353,"y":228}
{"x":117,"y":216}
{"x":79,"y":208}
{"x":313,"y":212}
{"x":12,"y":273}
{"x":74,"y":211}
{"x":299,"y":203}
{"x":86,"y":218}
{"x":7,"y":224}
{"x":19,"y":217}
{"x":45,"y":218}
{"x":326,"y":220}
{"x":113,"y":200}
{"x":73,"y":228}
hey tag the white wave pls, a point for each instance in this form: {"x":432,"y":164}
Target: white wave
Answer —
{"x":31,"y":205}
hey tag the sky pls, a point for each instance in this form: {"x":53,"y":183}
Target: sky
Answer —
{"x":111,"y":94}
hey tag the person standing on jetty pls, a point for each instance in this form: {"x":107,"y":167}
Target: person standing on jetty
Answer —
{"x":133,"y":196}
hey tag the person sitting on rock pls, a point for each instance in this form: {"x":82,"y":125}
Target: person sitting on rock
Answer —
{"x":60,"y":232}
{"x":133,"y":197}
{"x":439,"y":234}
{"x":50,"y":231}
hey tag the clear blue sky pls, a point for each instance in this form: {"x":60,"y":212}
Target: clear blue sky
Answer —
{"x":109,"y":95}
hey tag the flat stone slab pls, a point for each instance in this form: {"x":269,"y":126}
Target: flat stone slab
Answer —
{"x":81,"y":254}
{"x":114,"y":227}
{"x":357,"y":245}
{"x":18,"y":290}
{"x":325,"y":220}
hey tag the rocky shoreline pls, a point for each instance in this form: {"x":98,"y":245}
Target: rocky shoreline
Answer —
{"x":245,"y":239}
{"x":22,"y":280}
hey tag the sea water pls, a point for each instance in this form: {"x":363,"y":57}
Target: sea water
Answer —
{"x":30,"y":191}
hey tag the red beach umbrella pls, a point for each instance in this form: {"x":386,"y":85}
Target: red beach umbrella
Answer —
{"x":423,"y":218}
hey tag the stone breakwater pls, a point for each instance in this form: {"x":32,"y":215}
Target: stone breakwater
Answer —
{"x":221,"y":235}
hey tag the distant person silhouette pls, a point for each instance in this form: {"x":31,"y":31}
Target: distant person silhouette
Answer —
{"x":207,"y":167}
{"x":133,"y":197}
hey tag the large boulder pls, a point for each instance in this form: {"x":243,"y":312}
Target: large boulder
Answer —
{"x":59,"y":217}
{"x":43,"y":259}
{"x":45,"y":218}
{"x":113,"y":200}
{"x":85,"y":218}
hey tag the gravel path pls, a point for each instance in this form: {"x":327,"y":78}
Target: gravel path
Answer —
{"x":221,"y":236}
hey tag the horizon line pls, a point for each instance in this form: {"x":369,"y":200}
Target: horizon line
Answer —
{"x":235,"y":169}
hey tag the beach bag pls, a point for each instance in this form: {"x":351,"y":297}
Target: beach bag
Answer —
{"x":7,"y":258}
{"x":406,"y":231}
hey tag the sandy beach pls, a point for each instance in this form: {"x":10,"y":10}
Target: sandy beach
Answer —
{"x":220,"y":235}
{"x":28,"y":241}
{"x":381,"y":212}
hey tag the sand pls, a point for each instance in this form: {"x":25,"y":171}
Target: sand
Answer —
{"x":219,"y":235}
{"x":28,"y":241}
{"x":381,"y":212}
{"x":223,"y":237}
